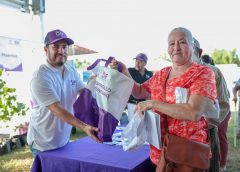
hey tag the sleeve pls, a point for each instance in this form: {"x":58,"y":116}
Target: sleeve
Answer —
{"x":151,"y":83}
{"x":147,"y":84}
{"x":204,"y":83}
{"x":222,"y":90}
{"x":222,"y":95}
{"x":43,"y":91}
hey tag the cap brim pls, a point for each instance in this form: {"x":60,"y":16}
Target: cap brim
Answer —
{"x":140,"y":59}
{"x":68,"y":40}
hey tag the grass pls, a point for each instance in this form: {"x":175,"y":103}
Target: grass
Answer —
{"x":233,"y":163}
{"x":21,"y":159}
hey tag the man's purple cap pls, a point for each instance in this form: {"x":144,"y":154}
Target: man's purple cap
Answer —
{"x":57,"y":35}
{"x":141,"y":57}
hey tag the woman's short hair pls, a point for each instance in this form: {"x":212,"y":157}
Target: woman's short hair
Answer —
{"x":187,"y":33}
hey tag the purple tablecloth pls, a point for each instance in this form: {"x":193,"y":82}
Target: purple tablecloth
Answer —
{"x":85,"y":155}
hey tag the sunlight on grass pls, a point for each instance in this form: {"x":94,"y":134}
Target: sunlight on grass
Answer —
{"x":18,"y":160}
{"x":233,"y":163}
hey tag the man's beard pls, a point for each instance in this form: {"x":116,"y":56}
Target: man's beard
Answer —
{"x":59,"y":64}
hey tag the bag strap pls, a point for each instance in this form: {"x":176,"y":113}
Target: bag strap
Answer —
{"x":164,"y":100}
{"x":107,"y":62}
{"x":95,"y":64}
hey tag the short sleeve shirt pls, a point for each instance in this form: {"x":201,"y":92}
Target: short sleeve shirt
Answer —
{"x":197,"y":79}
{"x":47,"y":131}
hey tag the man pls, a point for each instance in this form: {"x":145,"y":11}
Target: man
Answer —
{"x":139,"y":73}
{"x":54,"y":88}
{"x":235,"y":90}
{"x":223,"y":99}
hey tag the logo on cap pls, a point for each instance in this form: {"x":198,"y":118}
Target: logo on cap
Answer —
{"x":59,"y":33}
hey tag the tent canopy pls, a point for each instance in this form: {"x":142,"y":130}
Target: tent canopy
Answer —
{"x":78,"y":50}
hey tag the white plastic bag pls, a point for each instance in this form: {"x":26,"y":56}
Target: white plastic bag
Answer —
{"x":142,"y":129}
{"x":152,"y":121}
{"x":134,"y":135}
{"x":130,"y":110}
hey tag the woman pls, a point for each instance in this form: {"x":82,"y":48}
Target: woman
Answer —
{"x":185,"y":119}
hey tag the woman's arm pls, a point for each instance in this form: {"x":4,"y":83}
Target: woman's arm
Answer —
{"x":138,"y":91}
{"x":192,"y":110}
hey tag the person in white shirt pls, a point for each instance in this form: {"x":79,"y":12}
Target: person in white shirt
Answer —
{"x":54,"y":89}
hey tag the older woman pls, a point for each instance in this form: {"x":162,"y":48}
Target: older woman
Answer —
{"x":185,"y":119}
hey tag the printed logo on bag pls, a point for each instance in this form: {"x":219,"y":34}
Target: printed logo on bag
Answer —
{"x":59,"y":33}
{"x":73,"y":82}
{"x":104,"y":75}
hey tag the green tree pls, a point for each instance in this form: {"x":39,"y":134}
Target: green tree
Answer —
{"x":225,"y":57}
{"x":9,"y":106}
{"x":81,"y":65}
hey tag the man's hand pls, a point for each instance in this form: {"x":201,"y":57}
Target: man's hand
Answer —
{"x":91,"y":78}
{"x":91,"y":132}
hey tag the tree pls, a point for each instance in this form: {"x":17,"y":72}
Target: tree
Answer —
{"x":225,"y":57}
{"x":9,"y":106}
{"x":81,"y":65}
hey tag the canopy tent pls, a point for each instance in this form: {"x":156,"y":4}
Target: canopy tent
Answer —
{"x":78,"y":50}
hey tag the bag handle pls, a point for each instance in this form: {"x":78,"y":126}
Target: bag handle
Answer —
{"x":95,"y":64}
{"x":107,"y":62}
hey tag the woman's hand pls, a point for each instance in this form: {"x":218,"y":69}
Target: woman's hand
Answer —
{"x":114,"y":65}
{"x":143,"y":106}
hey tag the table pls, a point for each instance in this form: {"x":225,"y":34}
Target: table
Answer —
{"x":86,"y":155}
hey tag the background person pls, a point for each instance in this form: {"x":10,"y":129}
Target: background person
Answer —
{"x":235,"y":90}
{"x":207,"y":59}
{"x":224,"y":104}
{"x":139,"y":73}
{"x":54,"y":88}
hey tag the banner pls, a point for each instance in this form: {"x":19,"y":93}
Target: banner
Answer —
{"x":10,"y":54}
